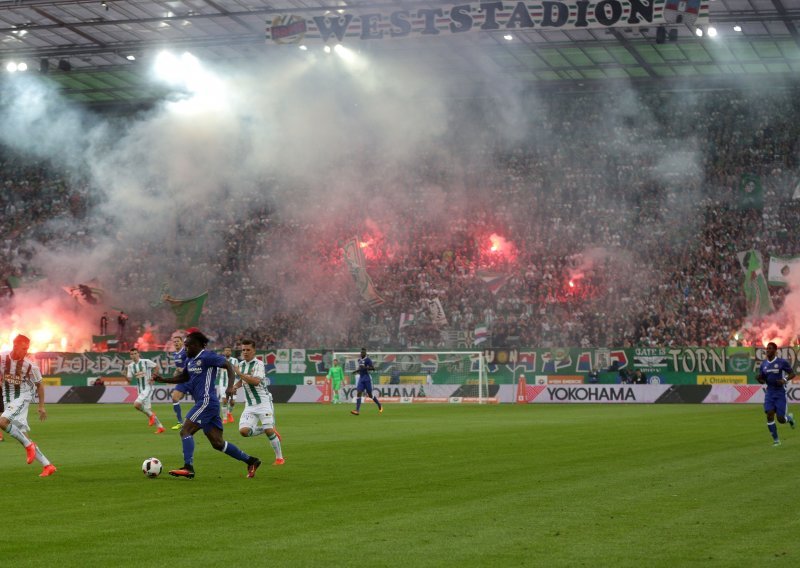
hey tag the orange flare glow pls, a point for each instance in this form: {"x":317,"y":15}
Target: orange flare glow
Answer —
{"x":45,"y":336}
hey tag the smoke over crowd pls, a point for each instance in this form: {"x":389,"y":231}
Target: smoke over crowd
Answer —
{"x":247,"y":182}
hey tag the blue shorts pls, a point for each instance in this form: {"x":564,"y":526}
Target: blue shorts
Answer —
{"x":775,"y":400}
{"x":205,"y":415}
{"x":365,"y":385}
{"x":182,"y":387}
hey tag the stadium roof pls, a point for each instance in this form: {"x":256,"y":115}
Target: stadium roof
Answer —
{"x":94,"y":39}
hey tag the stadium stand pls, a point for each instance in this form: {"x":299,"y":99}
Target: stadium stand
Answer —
{"x":609,"y":214}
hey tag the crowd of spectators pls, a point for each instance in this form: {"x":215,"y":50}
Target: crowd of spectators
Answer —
{"x":620,"y":228}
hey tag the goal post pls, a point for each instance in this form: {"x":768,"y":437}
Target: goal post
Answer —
{"x":423,"y":376}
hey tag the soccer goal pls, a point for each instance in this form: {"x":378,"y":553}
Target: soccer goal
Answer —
{"x":423,"y":376}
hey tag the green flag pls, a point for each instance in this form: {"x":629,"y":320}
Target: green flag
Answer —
{"x":751,"y":192}
{"x":187,"y":312}
{"x":103,"y":342}
{"x":756,"y":292}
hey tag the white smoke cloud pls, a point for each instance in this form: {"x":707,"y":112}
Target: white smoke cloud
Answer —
{"x":316,"y":139}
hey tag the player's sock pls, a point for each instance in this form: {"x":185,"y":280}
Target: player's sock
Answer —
{"x":335,"y":398}
{"x":188,"y":449}
{"x":18,"y":434}
{"x":257,"y":431}
{"x":275,"y":442}
{"x":773,"y":429}
{"x":230,"y":407}
{"x":40,"y":457}
{"x":176,"y":406}
{"x":235,"y":452}
{"x":358,"y":403}
{"x":790,"y":420}
{"x":375,"y":398}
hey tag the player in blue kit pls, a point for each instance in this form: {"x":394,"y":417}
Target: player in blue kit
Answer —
{"x":200,"y":376}
{"x":179,"y":359}
{"x":364,"y":382}
{"x":775,"y":372}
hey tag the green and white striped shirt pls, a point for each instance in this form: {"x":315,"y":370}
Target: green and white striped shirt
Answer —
{"x":223,"y":380}
{"x":142,"y":372}
{"x":255,"y":394}
{"x":19,"y":378}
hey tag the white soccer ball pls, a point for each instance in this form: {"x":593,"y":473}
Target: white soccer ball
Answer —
{"x":152,"y":467}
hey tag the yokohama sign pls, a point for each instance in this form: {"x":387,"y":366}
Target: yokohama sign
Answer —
{"x":595,"y":393}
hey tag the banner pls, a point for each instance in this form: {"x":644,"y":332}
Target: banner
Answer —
{"x":780,"y":267}
{"x":660,"y":365}
{"x":88,"y":294}
{"x":383,"y":23}
{"x":751,"y":192}
{"x":406,"y":320}
{"x":481,"y":334}
{"x":449,"y":394}
{"x":436,"y":311}
{"x":581,"y":394}
{"x":103,"y":342}
{"x":756,"y":292}
{"x":493,"y":280}
{"x":187,"y":312}
{"x":354,"y":259}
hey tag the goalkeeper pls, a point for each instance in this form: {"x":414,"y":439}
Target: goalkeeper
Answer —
{"x":336,"y":376}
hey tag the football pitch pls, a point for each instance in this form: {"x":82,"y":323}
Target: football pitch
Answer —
{"x":420,"y":485}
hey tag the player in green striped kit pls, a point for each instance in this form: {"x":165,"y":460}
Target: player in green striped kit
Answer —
{"x":258,"y":400}
{"x":336,"y":376}
{"x":142,"y":370}
{"x":226,"y":411}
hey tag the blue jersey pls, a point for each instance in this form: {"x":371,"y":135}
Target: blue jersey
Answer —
{"x":773,"y":370}
{"x":202,"y":371}
{"x":179,"y":358}
{"x":363,"y":366}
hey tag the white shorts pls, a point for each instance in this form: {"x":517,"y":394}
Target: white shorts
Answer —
{"x":17,"y":413}
{"x":221,"y":393}
{"x":252,"y":415}
{"x":144,"y":398}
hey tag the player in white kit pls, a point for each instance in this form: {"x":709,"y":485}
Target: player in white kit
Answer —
{"x":258,"y":400}
{"x":22,"y":379}
{"x":142,"y":371}
{"x":226,"y":402}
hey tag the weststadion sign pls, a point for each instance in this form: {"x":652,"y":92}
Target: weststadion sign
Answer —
{"x":484,"y":16}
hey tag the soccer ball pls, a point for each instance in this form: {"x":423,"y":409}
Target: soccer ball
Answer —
{"x":151,"y":467}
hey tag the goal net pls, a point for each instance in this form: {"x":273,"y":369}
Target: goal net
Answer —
{"x":422,"y":376}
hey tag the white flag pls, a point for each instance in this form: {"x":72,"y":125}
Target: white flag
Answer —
{"x":780,"y":267}
{"x":437,"y":312}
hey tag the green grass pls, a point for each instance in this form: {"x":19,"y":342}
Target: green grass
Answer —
{"x":451,"y":485}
